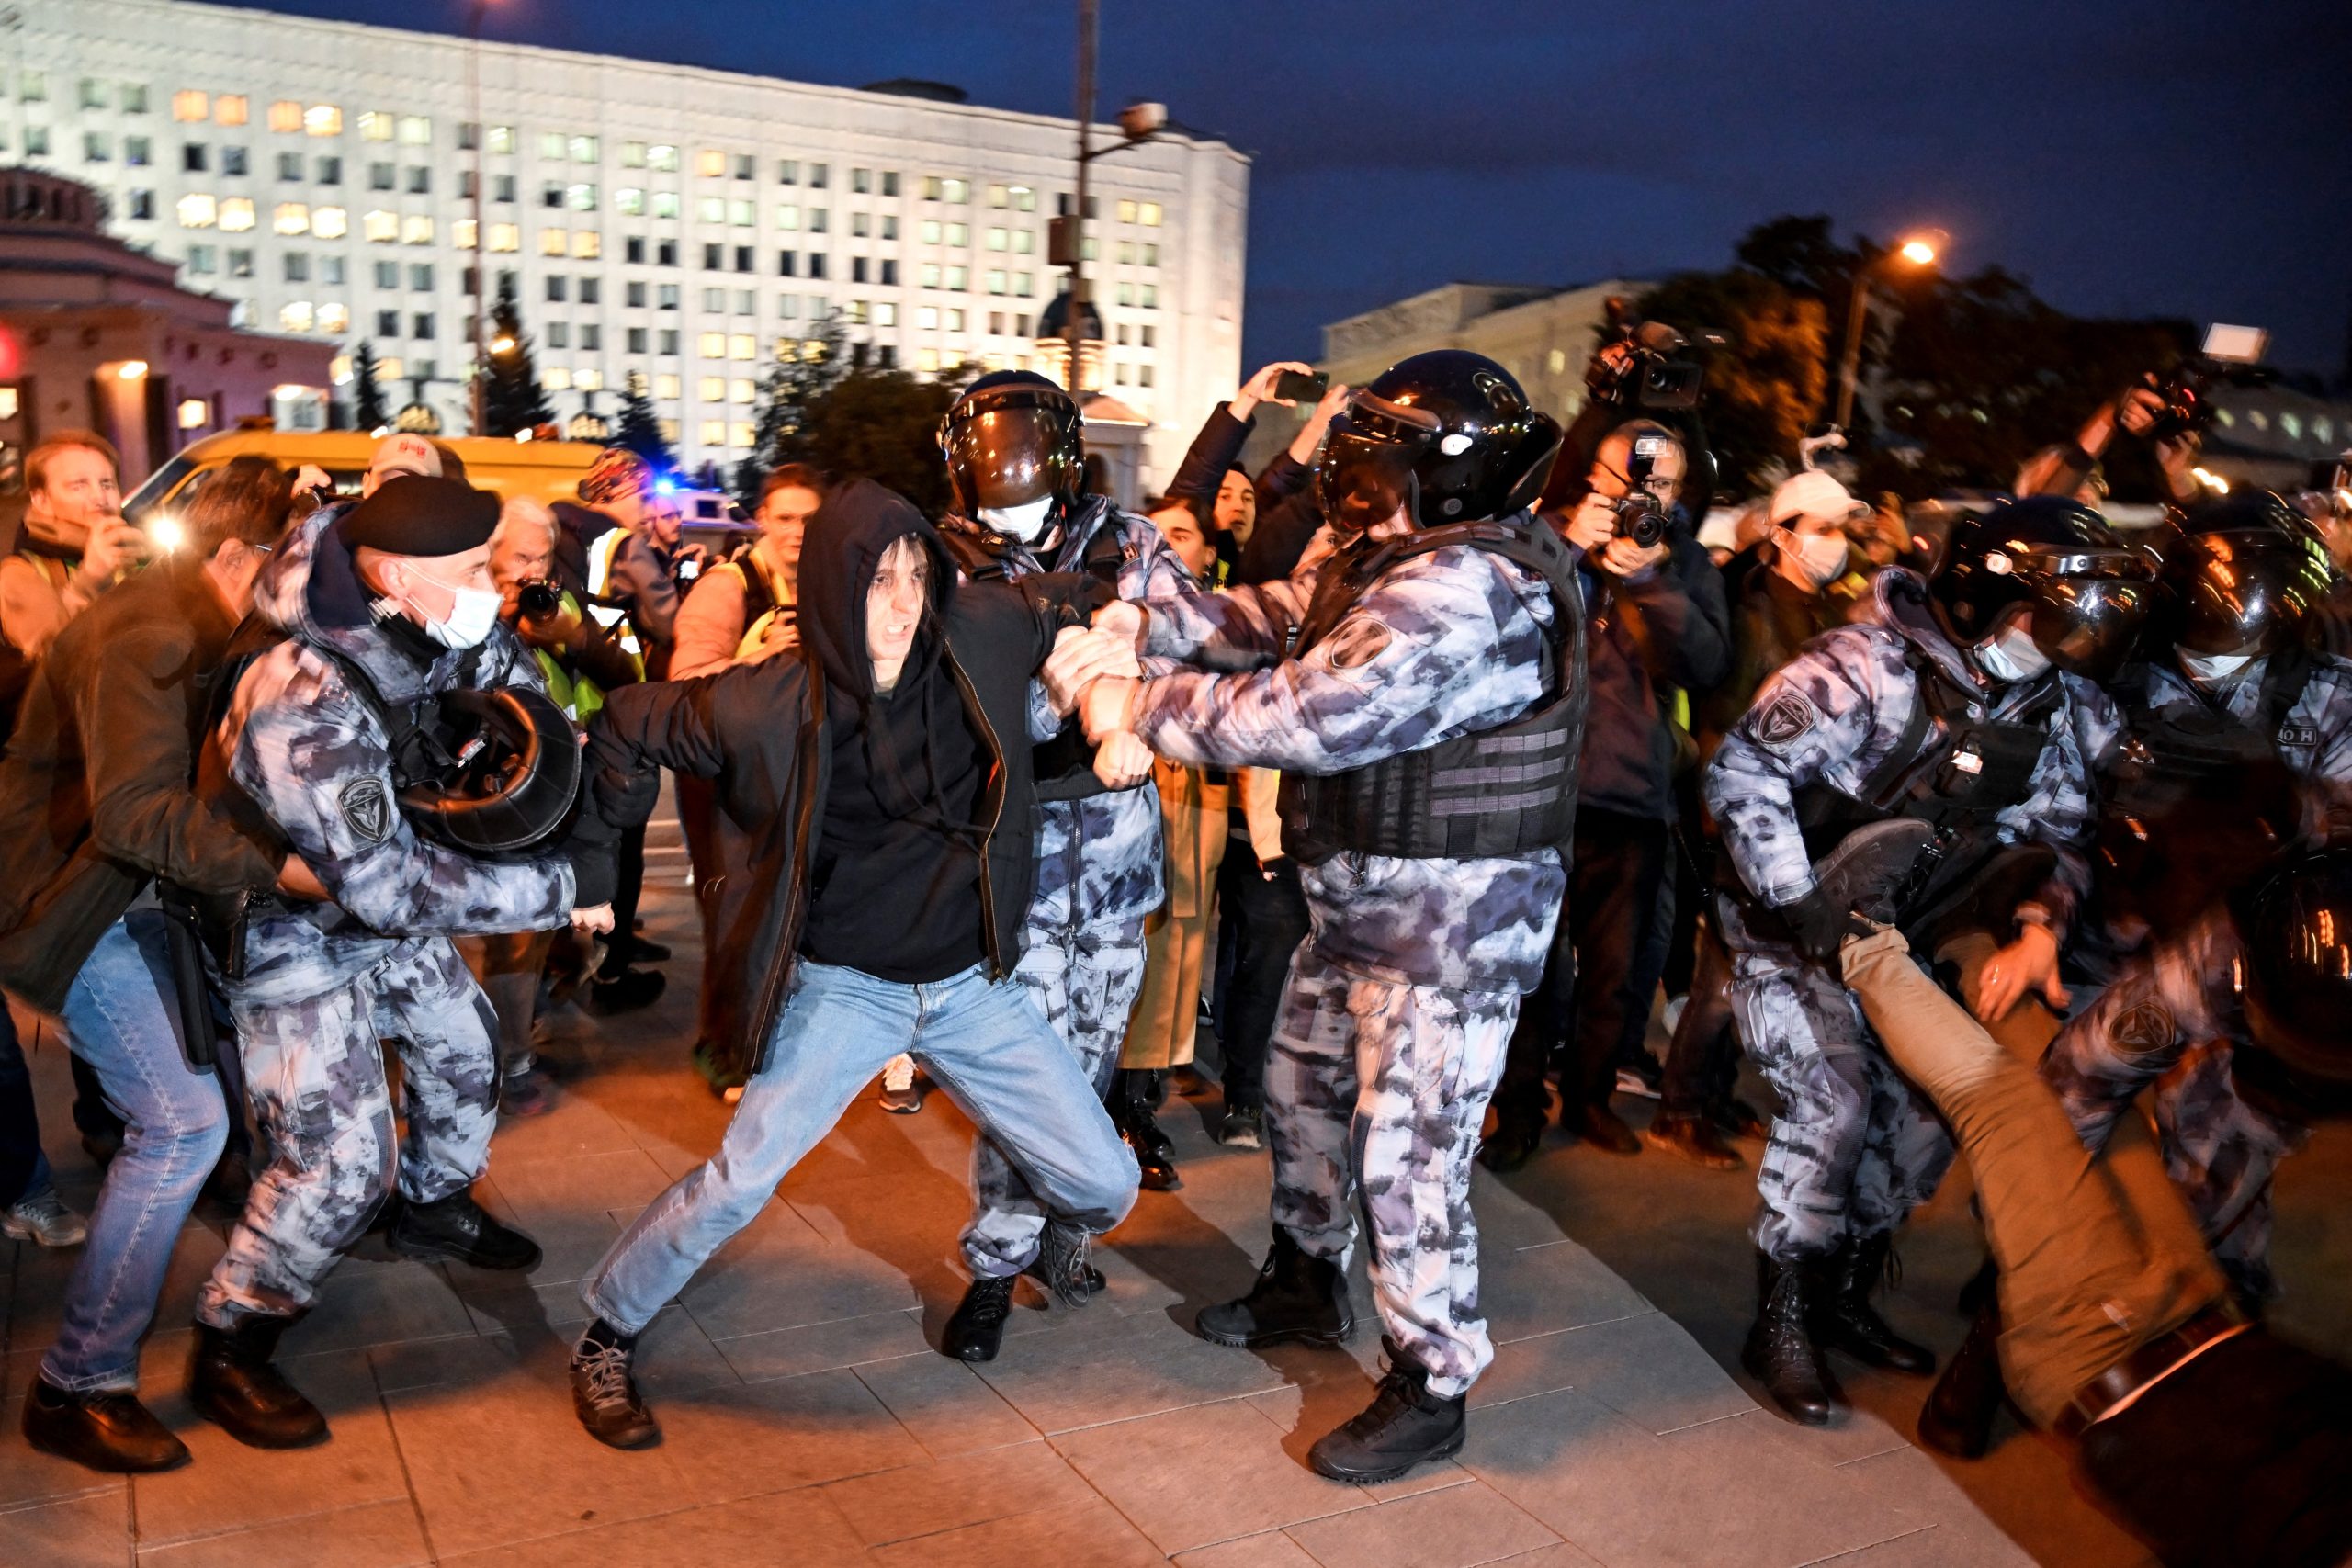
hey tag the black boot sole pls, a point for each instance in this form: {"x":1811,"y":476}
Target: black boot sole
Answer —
{"x":1922,"y":1365}
{"x":437,"y":1252}
{"x":96,"y":1456}
{"x":1340,"y":1336}
{"x":1446,"y":1450}
{"x":1831,"y":1413}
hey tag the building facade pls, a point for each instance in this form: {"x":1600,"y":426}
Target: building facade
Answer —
{"x":679,"y":223}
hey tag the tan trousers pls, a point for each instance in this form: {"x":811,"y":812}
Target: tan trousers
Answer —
{"x":2098,"y":1255}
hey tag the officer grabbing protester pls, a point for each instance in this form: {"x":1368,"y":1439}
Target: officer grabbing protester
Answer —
{"x":392,"y":732}
{"x":1965,"y":702}
{"x":1425,"y":715}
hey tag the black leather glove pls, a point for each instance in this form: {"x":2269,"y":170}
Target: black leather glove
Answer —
{"x":595,"y":872}
{"x":1819,"y":927}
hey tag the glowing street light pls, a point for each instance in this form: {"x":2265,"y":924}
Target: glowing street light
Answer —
{"x":501,"y":345}
{"x":1920,"y":250}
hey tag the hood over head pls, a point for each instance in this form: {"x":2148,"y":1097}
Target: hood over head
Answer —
{"x":844,"y":544}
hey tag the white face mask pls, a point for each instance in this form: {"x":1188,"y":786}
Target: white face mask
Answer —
{"x":2209,"y":667}
{"x":1026,"y":522}
{"x":1813,"y":559}
{"x":473,"y":612}
{"x":2011,"y":654}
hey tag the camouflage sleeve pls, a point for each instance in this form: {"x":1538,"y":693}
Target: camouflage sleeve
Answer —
{"x":1438,"y":645}
{"x":1244,"y":627}
{"x":315,"y":761}
{"x":2316,"y":741}
{"x":2059,"y":810}
{"x":2139,"y":1027}
{"x":1818,"y":718}
{"x":1152,"y":571}
{"x":1044,"y":722}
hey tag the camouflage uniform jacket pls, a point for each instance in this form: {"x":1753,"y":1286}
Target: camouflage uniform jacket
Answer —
{"x":314,"y":759}
{"x":2313,"y":739}
{"x":1099,"y":860}
{"x":1837,"y":709}
{"x":1443,"y":644}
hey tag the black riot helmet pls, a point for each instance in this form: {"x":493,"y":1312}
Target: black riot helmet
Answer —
{"x":1448,"y":436}
{"x":506,"y":776}
{"x":2087,"y":592}
{"x":1013,"y":437}
{"x":2240,"y":574}
{"x":2297,"y":931}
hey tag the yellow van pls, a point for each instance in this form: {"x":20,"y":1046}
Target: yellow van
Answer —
{"x":547,"y":470}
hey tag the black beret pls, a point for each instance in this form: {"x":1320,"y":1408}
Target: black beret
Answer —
{"x":418,"y":515}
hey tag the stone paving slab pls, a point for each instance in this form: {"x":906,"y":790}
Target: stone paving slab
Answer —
{"x":808,"y":1420}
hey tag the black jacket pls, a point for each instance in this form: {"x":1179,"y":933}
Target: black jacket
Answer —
{"x":1644,"y":639}
{"x":97,"y":794}
{"x":760,"y":732}
{"x":1287,"y":513}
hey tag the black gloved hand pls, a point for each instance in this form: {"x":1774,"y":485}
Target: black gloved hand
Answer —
{"x":595,"y":872}
{"x":1819,"y":927}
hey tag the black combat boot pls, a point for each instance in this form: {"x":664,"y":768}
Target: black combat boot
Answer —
{"x":1847,"y":1322}
{"x":976,"y":1329}
{"x":1516,"y":1139}
{"x":1961,"y":1409}
{"x":1693,"y":1137}
{"x":1780,"y":1352}
{"x":1297,"y":1297}
{"x":1404,"y":1426}
{"x":1130,"y":1113}
{"x":461,"y":1230}
{"x":109,"y":1430}
{"x":604,"y":1389}
{"x":1063,"y":1266}
{"x":231,"y":1383}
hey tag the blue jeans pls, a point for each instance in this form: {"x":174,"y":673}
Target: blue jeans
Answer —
{"x":24,"y":1169}
{"x":986,"y":1044}
{"x":122,"y":1020}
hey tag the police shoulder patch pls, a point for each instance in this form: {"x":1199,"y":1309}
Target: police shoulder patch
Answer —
{"x":2299,"y":735}
{"x":1358,"y":642}
{"x":1789,"y":715}
{"x":368,"y":809}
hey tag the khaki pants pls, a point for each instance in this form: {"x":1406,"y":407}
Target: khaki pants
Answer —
{"x":2098,"y":1255}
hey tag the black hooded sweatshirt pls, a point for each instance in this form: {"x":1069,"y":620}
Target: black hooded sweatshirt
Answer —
{"x":774,"y":735}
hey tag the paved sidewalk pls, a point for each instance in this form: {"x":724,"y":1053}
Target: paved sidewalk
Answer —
{"x":809,"y":1421}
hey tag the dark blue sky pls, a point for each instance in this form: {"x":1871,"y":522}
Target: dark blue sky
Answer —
{"x":2181,"y":157}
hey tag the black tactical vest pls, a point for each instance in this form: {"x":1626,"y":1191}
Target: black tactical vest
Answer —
{"x":1064,"y":765}
{"x":1510,"y":790}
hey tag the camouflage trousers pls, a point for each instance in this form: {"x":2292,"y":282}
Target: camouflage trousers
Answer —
{"x":1085,"y":980}
{"x":2223,"y":1153}
{"x":314,"y":1076}
{"x":1375,"y":1093}
{"x":1855,"y":1148}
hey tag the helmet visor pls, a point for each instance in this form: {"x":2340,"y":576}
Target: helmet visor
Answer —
{"x":2299,"y":967}
{"x":1367,"y":473}
{"x":2249,"y":595}
{"x":1006,"y":454}
{"x":2088,"y":607}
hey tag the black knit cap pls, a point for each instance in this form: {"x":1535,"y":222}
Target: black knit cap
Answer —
{"x":419,"y":515}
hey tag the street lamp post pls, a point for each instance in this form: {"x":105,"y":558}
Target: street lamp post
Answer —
{"x":480,"y":10}
{"x":1138,"y":123}
{"x":1919,"y":250}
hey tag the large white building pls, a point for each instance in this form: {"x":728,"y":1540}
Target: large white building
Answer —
{"x":682,"y":223}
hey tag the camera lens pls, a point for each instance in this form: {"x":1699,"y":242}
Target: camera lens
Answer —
{"x":538,"y":599}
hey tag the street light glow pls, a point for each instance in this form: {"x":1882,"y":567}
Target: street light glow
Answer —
{"x":1919,"y":251}
{"x":501,"y":345}
{"x":132,"y":369}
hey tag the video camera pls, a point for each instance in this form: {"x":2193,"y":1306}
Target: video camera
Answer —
{"x":1650,"y":374}
{"x":2232,"y":358}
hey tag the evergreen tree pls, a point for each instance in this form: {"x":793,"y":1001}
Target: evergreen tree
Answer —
{"x":794,"y":384}
{"x":638,"y":429}
{"x":368,"y":412}
{"x":514,"y":399}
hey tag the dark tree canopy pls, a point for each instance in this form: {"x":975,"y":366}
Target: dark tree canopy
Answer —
{"x":638,"y":428}
{"x":514,"y":399}
{"x":367,"y":409}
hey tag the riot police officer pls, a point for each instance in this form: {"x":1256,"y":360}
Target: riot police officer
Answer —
{"x":1015,"y":469}
{"x":1426,"y":717}
{"x":1966,"y":701}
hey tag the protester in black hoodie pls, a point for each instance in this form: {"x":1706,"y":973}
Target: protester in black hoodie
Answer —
{"x":866,"y":783}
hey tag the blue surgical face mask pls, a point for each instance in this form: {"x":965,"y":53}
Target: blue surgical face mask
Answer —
{"x":2010,"y":655}
{"x":1026,"y":521}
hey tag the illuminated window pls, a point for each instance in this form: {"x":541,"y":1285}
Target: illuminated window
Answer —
{"x":1127,"y":212}
{"x":659,"y":156}
{"x":416,"y":130}
{"x":554,"y":242}
{"x":556,"y":379}
{"x":739,"y":433}
{"x":322,"y":119}
{"x":461,"y":233}
{"x":632,"y":154}
{"x":334,"y":318}
{"x":666,"y":386}
{"x":190,"y":106}
{"x":416,"y":230}
{"x":740,"y":390}
{"x":959,"y":236}
{"x":742,"y":214}
{"x":294,"y":316}
{"x":391,"y":368}
{"x":380,"y":227}
{"x":237,"y":213}
{"x":711,"y":346}
{"x":998,"y":238}
{"x":743,"y":346}
{"x":712,"y":432}
{"x":711,"y":209}
{"x":960,"y":278}
{"x":587,"y":244}
{"x":629,"y":202}
{"x":374,"y":125}
{"x":927,"y":317}
{"x":195,"y":413}
{"x":710,"y":163}
{"x":710,"y":388}
{"x":886,"y":314}
{"x":854,"y":312}
{"x":198,"y":211}
{"x":285,"y":116}
{"x":580,"y":198}
{"x":956,"y":191}
{"x":926,"y":359}
{"x":1150,"y":215}
{"x":931,"y":231}
{"x":230,"y":108}
{"x":588,"y":380}
{"x":291,"y":218}
{"x":500,"y":139}
{"x":665,"y":204}
{"x":505,"y":236}
{"x":788,"y":216}
{"x":551,"y":143}
{"x":584,"y":149}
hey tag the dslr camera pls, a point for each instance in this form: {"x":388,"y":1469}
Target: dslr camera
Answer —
{"x":1641,"y":516}
{"x":538,"y":599}
{"x":2232,"y":358}
{"x":1653,"y":373}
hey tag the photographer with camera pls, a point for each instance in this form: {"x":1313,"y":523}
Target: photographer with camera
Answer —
{"x":1655,"y":620}
{"x":2170,"y":411}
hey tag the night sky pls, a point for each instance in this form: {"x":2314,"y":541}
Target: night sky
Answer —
{"x":2177,"y":157}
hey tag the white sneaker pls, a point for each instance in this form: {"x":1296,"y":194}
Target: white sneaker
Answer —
{"x":1674,"y":1006}
{"x":901,"y":1090}
{"x":41,"y":1217}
